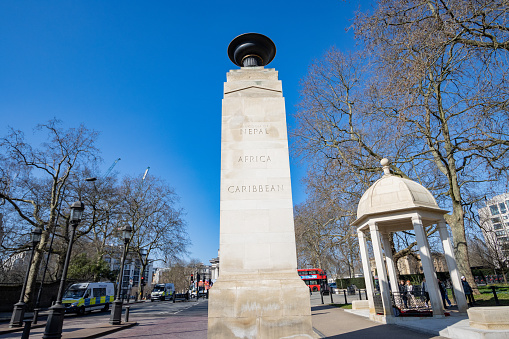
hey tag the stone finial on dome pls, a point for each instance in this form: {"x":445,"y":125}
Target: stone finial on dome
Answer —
{"x":385,"y":163}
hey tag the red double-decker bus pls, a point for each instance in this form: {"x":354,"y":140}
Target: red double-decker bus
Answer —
{"x":315,"y":278}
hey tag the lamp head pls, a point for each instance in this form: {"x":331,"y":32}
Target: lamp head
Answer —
{"x":36,"y":235}
{"x":77,"y":209}
{"x":126,"y":233}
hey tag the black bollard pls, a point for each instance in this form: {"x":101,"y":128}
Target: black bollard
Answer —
{"x":360,"y":295}
{"x":321,"y":295}
{"x":127,"y":314}
{"x":366,"y":292}
{"x":346,"y":300}
{"x":495,"y":295}
{"x":330,"y":292}
{"x":26,"y":329}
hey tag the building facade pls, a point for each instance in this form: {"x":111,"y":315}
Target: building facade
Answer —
{"x":132,"y":270}
{"x":494,"y":221}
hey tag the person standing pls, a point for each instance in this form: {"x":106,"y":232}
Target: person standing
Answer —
{"x":443,"y":293}
{"x":410,"y":291}
{"x":425,"y":293}
{"x":402,"y":293}
{"x":468,"y":291}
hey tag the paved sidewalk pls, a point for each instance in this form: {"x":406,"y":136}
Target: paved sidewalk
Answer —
{"x":332,"y":322}
{"x":328,"y":322}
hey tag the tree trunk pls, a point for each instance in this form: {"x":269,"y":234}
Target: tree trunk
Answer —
{"x":456,"y":221}
{"x":35,"y":267}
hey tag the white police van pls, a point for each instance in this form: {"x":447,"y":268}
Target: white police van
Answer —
{"x":88,"y":296}
{"x":162,"y":292}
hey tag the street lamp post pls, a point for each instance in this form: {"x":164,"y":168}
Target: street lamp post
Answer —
{"x":56,"y":312}
{"x":38,"y":300}
{"x":18,"y":314}
{"x":143,"y":253}
{"x":116,"y":311}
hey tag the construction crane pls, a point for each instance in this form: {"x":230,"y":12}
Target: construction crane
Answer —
{"x":146,"y":172}
{"x":111,"y":168}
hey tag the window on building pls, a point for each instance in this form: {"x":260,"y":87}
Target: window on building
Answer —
{"x":495,"y":219}
{"x":497,"y":226}
{"x":500,"y":233}
{"x":503,"y":210}
{"x":494,"y":210}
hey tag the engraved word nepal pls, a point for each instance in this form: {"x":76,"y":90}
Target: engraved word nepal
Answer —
{"x":254,"y":158}
{"x":254,"y":131}
{"x":255,"y":188}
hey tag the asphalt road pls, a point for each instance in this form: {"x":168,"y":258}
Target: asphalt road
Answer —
{"x":184,"y":320}
{"x":145,"y":313}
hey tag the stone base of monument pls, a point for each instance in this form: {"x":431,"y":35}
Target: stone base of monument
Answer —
{"x":489,"y":318}
{"x":260,"y":306}
{"x":482,"y":323}
{"x":382,"y":319}
{"x":360,"y":304}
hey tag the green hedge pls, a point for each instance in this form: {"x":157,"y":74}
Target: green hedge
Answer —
{"x":344,"y":283}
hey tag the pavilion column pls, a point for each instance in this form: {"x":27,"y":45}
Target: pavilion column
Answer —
{"x":366,"y":267}
{"x":427,"y":266}
{"x":380,"y":267}
{"x":391,"y":267}
{"x":453,"y":268}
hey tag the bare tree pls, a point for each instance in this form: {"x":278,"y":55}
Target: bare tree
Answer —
{"x":476,"y":24}
{"x":149,"y":206}
{"x":33,"y":181}
{"x":441,"y":119}
{"x":442,"y":67}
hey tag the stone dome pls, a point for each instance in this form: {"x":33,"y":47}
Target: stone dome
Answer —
{"x":392,"y":193}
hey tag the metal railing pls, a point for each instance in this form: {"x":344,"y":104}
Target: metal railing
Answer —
{"x":411,"y":301}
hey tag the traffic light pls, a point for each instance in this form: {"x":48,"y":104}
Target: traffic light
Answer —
{"x":192,"y":277}
{"x":198,"y":277}
{"x":143,"y":282}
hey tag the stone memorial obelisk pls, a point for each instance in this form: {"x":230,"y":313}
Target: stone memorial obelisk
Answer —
{"x":258,"y":293}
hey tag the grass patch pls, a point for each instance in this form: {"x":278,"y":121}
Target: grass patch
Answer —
{"x":486,"y":297}
{"x":345,"y":306}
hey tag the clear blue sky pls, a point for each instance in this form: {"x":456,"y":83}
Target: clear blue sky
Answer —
{"x":149,"y":76}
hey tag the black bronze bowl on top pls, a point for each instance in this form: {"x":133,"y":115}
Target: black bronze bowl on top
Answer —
{"x":251,"y":49}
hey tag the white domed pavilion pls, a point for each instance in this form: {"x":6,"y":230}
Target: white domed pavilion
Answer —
{"x":395,"y":204}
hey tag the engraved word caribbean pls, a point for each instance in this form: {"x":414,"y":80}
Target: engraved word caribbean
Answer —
{"x":255,"y":188}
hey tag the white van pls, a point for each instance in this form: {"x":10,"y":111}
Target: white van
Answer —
{"x":162,"y":292}
{"x":88,"y":296}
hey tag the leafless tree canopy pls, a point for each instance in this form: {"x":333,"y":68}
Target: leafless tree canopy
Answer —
{"x":429,"y":91}
{"x":38,"y":185}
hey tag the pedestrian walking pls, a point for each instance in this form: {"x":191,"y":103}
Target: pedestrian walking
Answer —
{"x":468,"y":291}
{"x":443,"y":293}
